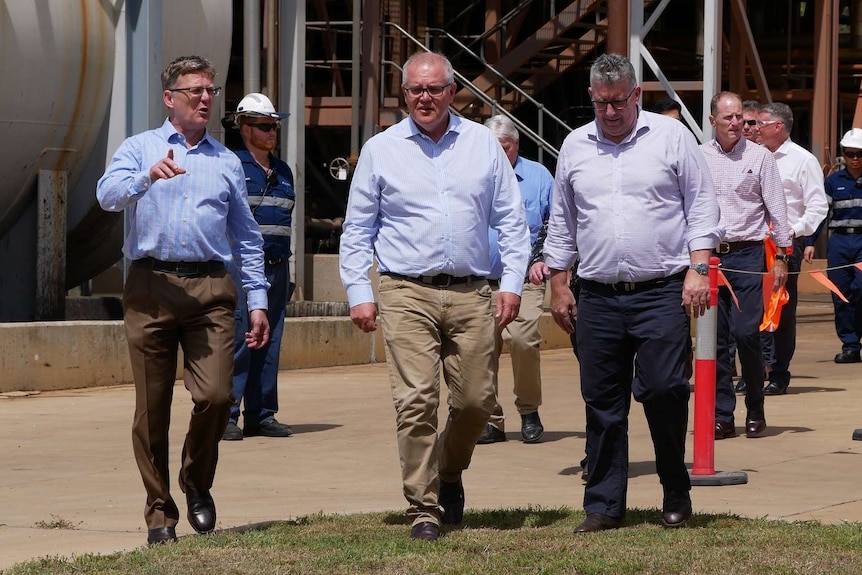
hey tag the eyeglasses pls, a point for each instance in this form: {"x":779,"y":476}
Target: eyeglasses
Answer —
{"x":853,"y":155}
{"x":768,"y":122}
{"x":433,"y":91}
{"x":198,"y":91}
{"x":750,"y":122}
{"x":602,"y":105}
{"x":266,"y":127}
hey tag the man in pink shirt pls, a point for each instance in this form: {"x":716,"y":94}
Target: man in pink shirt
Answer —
{"x":750,"y":197}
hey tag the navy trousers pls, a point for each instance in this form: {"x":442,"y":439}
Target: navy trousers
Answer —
{"x":743,"y":323}
{"x":841,"y":250}
{"x":255,"y":372}
{"x":632,"y":344}
{"x":785,"y":336}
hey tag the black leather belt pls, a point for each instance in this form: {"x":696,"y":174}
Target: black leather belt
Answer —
{"x":727,"y":247}
{"x":629,"y":287}
{"x":273,"y":261}
{"x":180,"y":269}
{"x":847,"y":230}
{"x":440,"y":280}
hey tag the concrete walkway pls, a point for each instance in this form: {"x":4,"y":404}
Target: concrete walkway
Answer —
{"x":67,"y":457}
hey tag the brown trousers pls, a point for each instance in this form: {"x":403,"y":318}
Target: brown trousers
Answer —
{"x":426,"y":328}
{"x":162,"y":312}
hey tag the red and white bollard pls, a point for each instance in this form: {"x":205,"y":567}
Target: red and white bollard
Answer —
{"x":703,"y":468}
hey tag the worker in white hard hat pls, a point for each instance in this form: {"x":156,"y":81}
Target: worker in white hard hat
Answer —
{"x":844,"y":246}
{"x":271,"y":197}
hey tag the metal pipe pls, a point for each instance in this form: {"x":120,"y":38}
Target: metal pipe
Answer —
{"x":271,"y":43}
{"x":251,"y":46}
{"x":355,"y":73}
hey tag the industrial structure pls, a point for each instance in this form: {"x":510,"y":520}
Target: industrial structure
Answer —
{"x":79,"y":77}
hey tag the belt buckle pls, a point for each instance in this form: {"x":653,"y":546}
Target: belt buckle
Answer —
{"x":852,"y":230}
{"x":723,"y":248}
{"x":626,"y":286}
{"x":448,"y":281}
{"x":187,"y":269}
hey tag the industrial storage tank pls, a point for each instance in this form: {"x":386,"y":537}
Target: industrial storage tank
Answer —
{"x":61,"y":110}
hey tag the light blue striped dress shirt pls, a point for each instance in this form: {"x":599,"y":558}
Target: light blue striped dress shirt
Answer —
{"x":631,"y":211}
{"x":201,"y":215}
{"x":424,"y":208}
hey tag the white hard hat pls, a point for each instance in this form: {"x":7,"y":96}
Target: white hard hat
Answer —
{"x":256,"y":104}
{"x":852,"y":139}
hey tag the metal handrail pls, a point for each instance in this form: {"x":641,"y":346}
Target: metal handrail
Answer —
{"x":494,"y":104}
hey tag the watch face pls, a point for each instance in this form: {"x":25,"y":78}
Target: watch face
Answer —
{"x":702,"y":269}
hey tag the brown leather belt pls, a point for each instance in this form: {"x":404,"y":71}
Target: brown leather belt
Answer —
{"x":727,"y":247}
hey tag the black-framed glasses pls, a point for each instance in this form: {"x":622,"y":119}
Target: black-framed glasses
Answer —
{"x":198,"y":91}
{"x":433,"y":91}
{"x":618,"y":105}
{"x":265,"y":127}
{"x":751,"y":123}
{"x":853,"y":155}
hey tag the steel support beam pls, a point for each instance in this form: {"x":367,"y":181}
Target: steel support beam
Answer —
{"x":292,"y":98}
{"x":51,"y":245}
{"x":251,"y":46}
{"x":824,"y":117}
{"x":371,"y":66}
{"x":618,"y":27}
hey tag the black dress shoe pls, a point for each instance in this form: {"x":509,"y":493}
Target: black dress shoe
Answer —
{"x":425,"y":531}
{"x":232,"y":432}
{"x":676,"y":509}
{"x":848,"y":357}
{"x":272,"y":428}
{"x":451,"y":499}
{"x":161,"y":535}
{"x":598,"y":522}
{"x":724,"y":430}
{"x":491,"y":435}
{"x":202,"y":511}
{"x":741,"y":386}
{"x":531,"y":428}
{"x":755,"y":424}
{"x":775,"y":388}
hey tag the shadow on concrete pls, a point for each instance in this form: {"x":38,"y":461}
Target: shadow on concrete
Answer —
{"x":313,"y":427}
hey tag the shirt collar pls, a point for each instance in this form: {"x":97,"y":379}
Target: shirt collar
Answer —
{"x":642,"y":125}
{"x":170,"y":133}
{"x":413,"y":130}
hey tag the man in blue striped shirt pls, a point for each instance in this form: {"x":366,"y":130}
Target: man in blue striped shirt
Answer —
{"x":423,"y":196}
{"x":185,"y":199}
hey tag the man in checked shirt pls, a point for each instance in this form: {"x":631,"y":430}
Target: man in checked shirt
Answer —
{"x":750,"y":197}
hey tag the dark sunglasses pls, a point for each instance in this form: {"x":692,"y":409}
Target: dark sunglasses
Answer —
{"x":264,"y":127}
{"x":750,"y":122}
{"x":853,"y":155}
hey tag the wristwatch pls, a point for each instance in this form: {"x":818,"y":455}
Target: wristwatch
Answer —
{"x":701,"y":269}
{"x":782,"y":258}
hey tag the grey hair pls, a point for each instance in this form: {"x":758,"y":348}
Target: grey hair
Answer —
{"x":503,"y":127}
{"x":612,"y":68}
{"x":427,"y":57}
{"x":780,"y":111}
{"x":186,"y":65}
{"x":750,"y":105}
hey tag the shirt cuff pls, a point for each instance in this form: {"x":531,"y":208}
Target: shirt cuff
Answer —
{"x":257,"y":300}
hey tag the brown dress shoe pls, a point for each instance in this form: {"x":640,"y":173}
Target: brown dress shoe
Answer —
{"x":676,"y":509}
{"x":425,"y":531}
{"x":598,"y":522}
{"x":724,"y":430}
{"x":755,"y":424}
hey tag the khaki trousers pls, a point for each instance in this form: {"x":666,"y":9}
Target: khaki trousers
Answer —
{"x":162,"y":312}
{"x":426,"y":328}
{"x":524,"y":340}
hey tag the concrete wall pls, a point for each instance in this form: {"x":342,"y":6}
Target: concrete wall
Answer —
{"x":73,"y":354}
